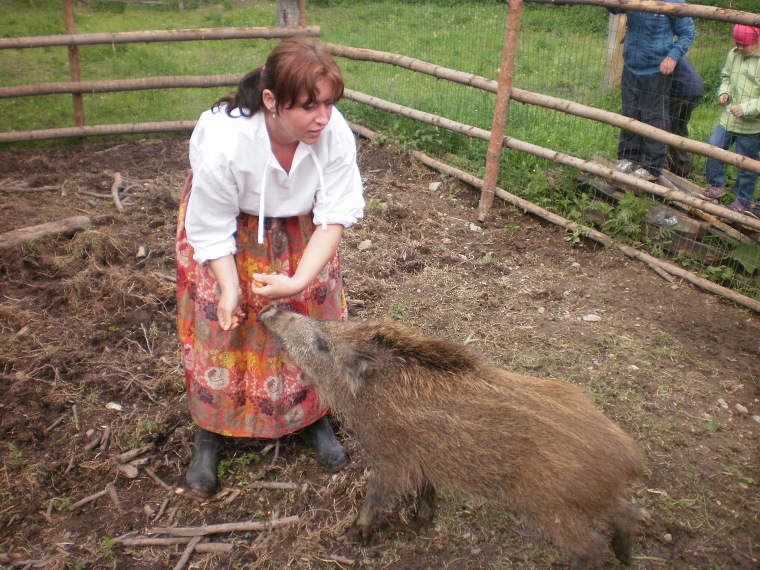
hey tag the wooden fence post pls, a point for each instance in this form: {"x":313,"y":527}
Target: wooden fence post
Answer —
{"x":76,"y":98}
{"x":614,"y":65}
{"x":506,"y":75}
{"x":288,"y":13}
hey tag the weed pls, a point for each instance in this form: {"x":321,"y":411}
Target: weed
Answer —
{"x":375,"y":205}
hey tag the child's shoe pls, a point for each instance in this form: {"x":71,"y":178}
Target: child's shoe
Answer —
{"x":713,"y":192}
{"x":624,"y":165}
{"x":643,"y":174}
{"x":736,"y":206}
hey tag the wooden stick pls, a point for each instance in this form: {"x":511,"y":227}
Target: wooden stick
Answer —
{"x":89,"y":499}
{"x":25,"y":189}
{"x":55,"y":424}
{"x":163,"y":507}
{"x":201,"y":547}
{"x":273,"y":485}
{"x":93,"y":442}
{"x":187,"y":553}
{"x":341,"y":559}
{"x":115,"y":191}
{"x":104,"y":439}
{"x":223,"y":527}
{"x":75,"y":413}
{"x":66,"y":227}
{"x":114,"y":497}
{"x":157,"y":479}
{"x":128,"y":456}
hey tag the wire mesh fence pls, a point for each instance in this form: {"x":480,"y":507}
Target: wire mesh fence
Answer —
{"x":563,"y":51}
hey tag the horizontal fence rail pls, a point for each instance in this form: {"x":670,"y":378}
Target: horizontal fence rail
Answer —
{"x":556,"y":157}
{"x":156,"y":36}
{"x":693,"y":10}
{"x":548,"y":102}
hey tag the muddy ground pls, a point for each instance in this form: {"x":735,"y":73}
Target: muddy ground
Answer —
{"x":88,"y":348}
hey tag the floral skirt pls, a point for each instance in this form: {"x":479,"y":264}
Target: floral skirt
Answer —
{"x":239,"y":382}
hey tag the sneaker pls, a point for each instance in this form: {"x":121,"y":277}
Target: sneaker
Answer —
{"x":713,"y":192}
{"x":736,"y":206}
{"x":644,"y":174}
{"x":624,"y":165}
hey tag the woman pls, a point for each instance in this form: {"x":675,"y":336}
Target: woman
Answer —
{"x":274,"y":182}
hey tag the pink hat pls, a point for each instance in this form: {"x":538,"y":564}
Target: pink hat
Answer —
{"x":745,"y":35}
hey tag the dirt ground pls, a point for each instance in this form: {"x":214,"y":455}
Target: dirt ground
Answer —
{"x":91,"y":370}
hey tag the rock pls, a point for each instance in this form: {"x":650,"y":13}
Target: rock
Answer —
{"x":722,"y":403}
{"x":667,"y":537}
{"x":434,"y":186}
{"x":741,"y":409}
{"x":475,"y":228}
{"x":756,"y":418}
{"x":592,"y":318}
{"x":364,"y":245}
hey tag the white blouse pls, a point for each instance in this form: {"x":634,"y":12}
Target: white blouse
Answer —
{"x":234,"y":170}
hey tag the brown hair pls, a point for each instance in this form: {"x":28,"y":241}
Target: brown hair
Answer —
{"x":292,"y":70}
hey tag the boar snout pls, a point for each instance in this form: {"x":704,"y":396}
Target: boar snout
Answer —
{"x":267,"y":313}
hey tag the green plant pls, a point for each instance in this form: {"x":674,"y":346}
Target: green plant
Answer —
{"x":375,"y":205}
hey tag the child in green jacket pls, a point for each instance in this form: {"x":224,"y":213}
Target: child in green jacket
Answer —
{"x":739,"y":124}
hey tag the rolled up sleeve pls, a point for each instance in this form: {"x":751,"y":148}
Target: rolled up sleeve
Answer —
{"x":211,"y":220}
{"x":340,"y":201}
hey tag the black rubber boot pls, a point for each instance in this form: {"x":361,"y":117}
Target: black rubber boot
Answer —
{"x":330,"y":453}
{"x":207,"y":451}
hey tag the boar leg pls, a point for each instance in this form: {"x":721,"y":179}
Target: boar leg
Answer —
{"x":425,"y":507}
{"x":361,"y":529}
{"x":624,"y":525}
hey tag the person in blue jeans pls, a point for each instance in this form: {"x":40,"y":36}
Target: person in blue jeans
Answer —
{"x":739,"y":123}
{"x":650,"y":54}
{"x":686,"y":94}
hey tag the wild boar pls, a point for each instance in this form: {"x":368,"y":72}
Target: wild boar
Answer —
{"x":431,"y":415}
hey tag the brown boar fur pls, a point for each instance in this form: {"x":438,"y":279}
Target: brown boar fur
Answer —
{"x":430,"y":415}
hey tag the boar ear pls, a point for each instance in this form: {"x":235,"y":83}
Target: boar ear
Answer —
{"x":356,"y":366}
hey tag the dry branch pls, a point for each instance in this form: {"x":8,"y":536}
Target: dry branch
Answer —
{"x":89,"y":499}
{"x":115,"y":191}
{"x":223,"y":527}
{"x":25,"y":189}
{"x":66,"y":227}
{"x":159,"y":481}
{"x":187,"y":553}
{"x":273,"y":485}
{"x":114,"y":496}
{"x":128,"y":456}
{"x":55,"y":424}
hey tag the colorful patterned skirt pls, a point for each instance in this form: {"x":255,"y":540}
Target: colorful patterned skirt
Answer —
{"x":239,"y":383}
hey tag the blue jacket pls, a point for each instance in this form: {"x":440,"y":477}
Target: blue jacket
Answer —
{"x":650,"y":38}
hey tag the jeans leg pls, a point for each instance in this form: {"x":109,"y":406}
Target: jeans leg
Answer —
{"x":744,"y":189}
{"x":653,"y":103}
{"x":716,"y":170}
{"x":629,"y":144}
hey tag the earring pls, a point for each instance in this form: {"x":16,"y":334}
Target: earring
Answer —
{"x":274,"y":115}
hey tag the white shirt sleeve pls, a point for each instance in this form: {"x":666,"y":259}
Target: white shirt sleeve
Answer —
{"x":212,"y":210}
{"x":340,"y":201}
